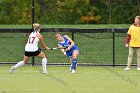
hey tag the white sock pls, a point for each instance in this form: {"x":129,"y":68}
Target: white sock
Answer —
{"x":44,"y":62}
{"x":19,"y":64}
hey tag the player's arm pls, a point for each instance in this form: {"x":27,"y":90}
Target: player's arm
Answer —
{"x":128,"y":37}
{"x":127,"y":40}
{"x":62,"y":50}
{"x":71,"y":41}
{"x":42,"y":41}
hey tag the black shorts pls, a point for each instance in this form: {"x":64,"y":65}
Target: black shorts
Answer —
{"x":35,"y":53}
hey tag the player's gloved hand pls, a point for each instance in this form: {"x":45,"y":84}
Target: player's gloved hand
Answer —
{"x":64,"y":53}
{"x":67,"y":49}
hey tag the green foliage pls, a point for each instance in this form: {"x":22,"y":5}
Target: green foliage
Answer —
{"x":118,"y":11}
{"x":15,"y":12}
{"x":69,"y":11}
{"x":72,"y":11}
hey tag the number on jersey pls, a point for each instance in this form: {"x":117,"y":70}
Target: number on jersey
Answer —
{"x":31,"y":40}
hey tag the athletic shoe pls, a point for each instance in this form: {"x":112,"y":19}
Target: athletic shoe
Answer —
{"x":73,"y":71}
{"x":45,"y":72}
{"x":138,"y":68}
{"x":11,"y":71}
{"x":127,"y":68}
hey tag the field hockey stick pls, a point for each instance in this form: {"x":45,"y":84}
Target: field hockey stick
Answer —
{"x":55,"y":48}
{"x":58,"y":48}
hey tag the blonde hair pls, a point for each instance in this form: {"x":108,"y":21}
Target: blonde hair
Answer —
{"x":36,"y":26}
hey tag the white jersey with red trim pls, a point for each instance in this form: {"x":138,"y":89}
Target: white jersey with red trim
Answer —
{"x":32,"y":44}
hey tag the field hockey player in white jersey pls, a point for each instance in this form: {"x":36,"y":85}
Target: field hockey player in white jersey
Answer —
{"x":32,"y":49}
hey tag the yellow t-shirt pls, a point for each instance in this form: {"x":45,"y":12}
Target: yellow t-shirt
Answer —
{"x":134,"y":31}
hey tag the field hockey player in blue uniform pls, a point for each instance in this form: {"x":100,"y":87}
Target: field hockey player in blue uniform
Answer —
{"x":71,"y":50}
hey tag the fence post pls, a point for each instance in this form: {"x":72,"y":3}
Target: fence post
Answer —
{"x":113,"y":33}
{"x":32,"y":6}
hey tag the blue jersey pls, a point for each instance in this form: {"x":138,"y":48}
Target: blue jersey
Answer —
{"x":66,"y":43}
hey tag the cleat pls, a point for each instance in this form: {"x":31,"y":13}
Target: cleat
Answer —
{"x":45,"y":72}
{"x":11,"y":71}
{"x":127,"y":68}
{"x":138,"y":68}
{"x":73,"y":71}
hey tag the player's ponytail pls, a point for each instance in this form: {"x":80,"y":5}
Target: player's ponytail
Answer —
{"x":36,"y":26}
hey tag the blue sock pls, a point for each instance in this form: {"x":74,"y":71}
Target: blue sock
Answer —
{"x":74,"y":62}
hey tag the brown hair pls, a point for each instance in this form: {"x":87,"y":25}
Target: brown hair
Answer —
{"x":57,"y":31}
{"x":138,"y":17}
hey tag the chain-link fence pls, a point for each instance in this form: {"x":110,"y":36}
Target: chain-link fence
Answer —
{"x":97,"y":46}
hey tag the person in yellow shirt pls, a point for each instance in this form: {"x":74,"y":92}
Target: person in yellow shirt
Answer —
{"x":133,"y":42}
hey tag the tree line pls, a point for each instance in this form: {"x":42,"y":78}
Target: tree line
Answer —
{"x":69,"y":11}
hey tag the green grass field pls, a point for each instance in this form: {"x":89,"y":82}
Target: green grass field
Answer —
{"x":29,"y":79}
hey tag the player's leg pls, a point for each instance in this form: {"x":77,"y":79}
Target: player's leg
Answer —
{"x":44,"y":62}
{"x":138,"y":58}
{"x":70,"y":60}
{"x":19,"y":64}
{"x":129,"y":61}
{"x":74,"y":60}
